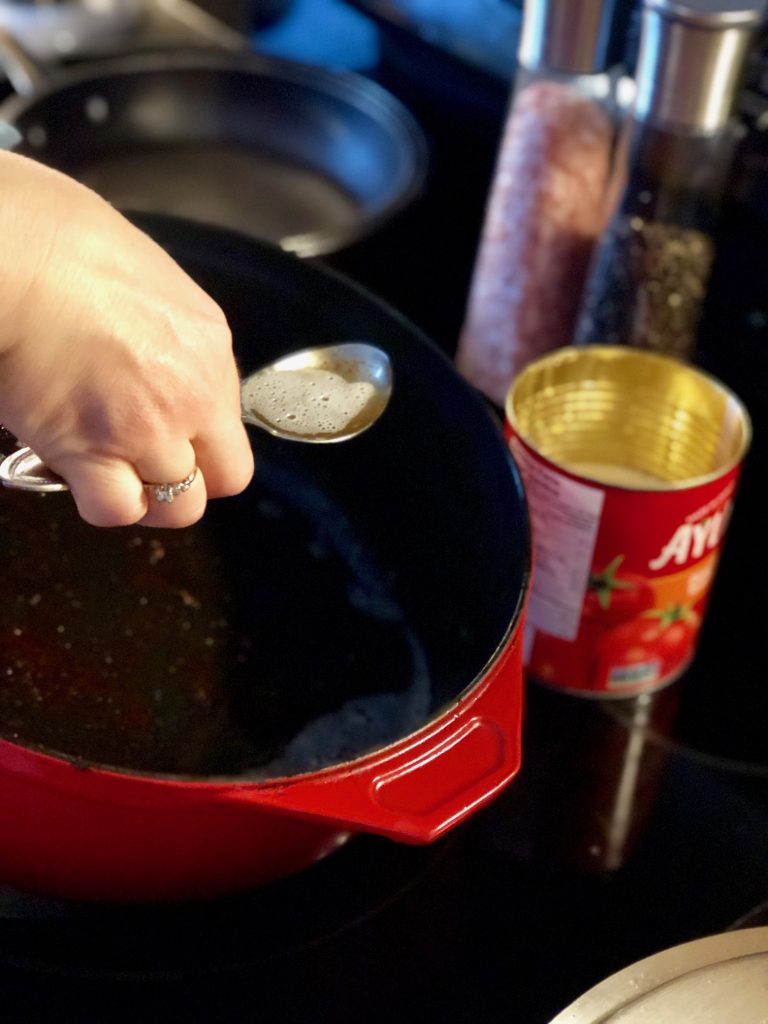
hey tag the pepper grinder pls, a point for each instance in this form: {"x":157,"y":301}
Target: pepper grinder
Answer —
{"x":545,"y":206}
{"x":650,"y":272}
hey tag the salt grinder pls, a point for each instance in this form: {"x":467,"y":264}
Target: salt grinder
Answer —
{"x":545,"y":205}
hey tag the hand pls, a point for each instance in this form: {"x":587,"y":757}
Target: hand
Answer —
{"x":115,"y":367}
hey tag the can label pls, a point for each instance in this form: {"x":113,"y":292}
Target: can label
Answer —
{"x":621,"y":574}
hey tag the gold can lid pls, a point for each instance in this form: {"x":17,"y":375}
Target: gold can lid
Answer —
{"x":624,"y":408}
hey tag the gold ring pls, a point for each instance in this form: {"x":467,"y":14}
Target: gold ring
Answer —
{"x":167,"y":492}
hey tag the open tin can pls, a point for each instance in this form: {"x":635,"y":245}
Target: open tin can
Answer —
{"x":631,"y":462}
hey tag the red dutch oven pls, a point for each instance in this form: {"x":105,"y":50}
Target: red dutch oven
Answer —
{"x":187,"y":713}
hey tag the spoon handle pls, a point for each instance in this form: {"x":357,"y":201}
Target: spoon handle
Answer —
{"x":354,"y":363}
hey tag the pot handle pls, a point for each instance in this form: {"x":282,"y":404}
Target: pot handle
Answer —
{"x":26,"y":77}
{"x":429,"y":785}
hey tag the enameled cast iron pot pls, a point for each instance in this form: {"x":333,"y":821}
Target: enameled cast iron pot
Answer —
{"x":185,"y":713}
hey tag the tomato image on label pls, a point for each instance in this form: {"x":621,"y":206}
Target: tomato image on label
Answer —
{"x":612,"y":598}
{"x":646,"y":649}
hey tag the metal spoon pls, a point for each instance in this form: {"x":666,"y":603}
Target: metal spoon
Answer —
{"x":318,"y":396}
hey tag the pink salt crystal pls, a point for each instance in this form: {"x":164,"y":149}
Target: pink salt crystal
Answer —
{"x":545,"y":210}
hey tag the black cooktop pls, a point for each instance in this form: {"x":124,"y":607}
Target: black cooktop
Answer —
{"x":634,"y":825}
{"x":617,"y":840}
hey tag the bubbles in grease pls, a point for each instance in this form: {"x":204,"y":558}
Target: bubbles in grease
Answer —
{"x":307,"y":402}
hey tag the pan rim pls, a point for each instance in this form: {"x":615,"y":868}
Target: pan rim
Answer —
{"x":351,"y":88}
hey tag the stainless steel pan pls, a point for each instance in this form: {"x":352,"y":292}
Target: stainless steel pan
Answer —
{"x":306,"y":158}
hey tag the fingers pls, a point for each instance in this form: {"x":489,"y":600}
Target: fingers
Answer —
{"x":222,"y":446}
{"x":111,"y":492}
{"x":107,"y":491}
{"x":171,"y":506}
{"x":225,"y":458}
{"x":177,"y":502}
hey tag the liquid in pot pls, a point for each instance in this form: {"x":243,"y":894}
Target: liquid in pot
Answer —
{"x":263,"y":641}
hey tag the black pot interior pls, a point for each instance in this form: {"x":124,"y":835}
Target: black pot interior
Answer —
{"x":267,"y":147}
{"x":351,"y":593}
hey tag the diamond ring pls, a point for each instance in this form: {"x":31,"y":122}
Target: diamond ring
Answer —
{"x":167,"y":492}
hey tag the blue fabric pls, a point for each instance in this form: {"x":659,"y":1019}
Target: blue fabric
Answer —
{"x":327,"y":33}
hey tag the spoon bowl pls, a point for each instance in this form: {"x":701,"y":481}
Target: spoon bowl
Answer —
{"x":316,"y":396}
{"x":319,"y":395}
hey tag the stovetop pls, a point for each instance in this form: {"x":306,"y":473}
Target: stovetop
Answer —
{"x":615,"y":842}
{"x":634,"y":825}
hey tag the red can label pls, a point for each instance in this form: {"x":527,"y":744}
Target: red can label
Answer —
{"x":621,"y":574}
